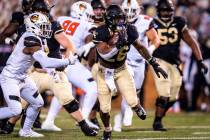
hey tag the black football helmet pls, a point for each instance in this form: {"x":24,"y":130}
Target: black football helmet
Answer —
{"x":41,"y":5}
{"x":98,"y":9}
{"x":26,"y":6}
{"x":165,"y":10}
{"x":115,"y":18}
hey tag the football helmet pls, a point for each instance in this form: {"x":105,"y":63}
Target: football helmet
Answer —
{"x":115,"y":17}
{"x":41,"y":5}
{"x":131,"y":9}
{"x":98,"y":9}
{"x":165,"y":9}
{"x":38,"y":24}
{"x":81,"y":10}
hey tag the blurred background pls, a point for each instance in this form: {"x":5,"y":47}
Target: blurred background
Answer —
{"x":195,"y":92}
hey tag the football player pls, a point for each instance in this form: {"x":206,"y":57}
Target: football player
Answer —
{"x":57,"y":80}
{"x":77,"y":28}
{"x":147,"y":33}
{"x":171,"y":30}
{"x":113,"y":41}
{"x":29,"y":49}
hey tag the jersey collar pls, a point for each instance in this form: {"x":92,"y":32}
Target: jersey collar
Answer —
{"x":163,"y":23}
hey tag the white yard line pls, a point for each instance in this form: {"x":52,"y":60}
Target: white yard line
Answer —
{"x":201,"y":133}
{"x":173,"y":138}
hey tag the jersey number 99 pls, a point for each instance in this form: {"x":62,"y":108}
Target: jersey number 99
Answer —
{"x":70,"y":27}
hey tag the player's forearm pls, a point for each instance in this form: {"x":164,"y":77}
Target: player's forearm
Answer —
{"x":47,"y":62}
{"x":142,"y":50}
{"x":196,"y":51}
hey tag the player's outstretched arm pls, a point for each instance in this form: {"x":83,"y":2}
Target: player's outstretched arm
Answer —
{"x":151,"y":60}
{"x":195,"y":48}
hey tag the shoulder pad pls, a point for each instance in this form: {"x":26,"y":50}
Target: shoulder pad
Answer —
{"x":32,"y":41}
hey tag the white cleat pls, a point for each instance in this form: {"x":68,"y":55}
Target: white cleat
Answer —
{"x":118,"y":123}
{"x":128,"y":116}
{"x":29,"y":133}
{"x":92,"y":125}
{"x":50,"y":127}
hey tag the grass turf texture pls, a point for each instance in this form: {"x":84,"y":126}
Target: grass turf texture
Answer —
{"x":180,"y":126}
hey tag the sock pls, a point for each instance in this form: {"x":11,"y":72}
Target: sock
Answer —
{"x":31,"y":115}
{"x":53,"y":110}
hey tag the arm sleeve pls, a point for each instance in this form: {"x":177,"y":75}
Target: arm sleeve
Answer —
{"x":56,"y":27}
{"x":132,"y":34}
{"x":47,"y":62}
{"x":100,"y":34}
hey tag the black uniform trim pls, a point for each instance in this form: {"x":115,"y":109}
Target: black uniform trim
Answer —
{"x":13,"y":97}
{"x":32,"y":41}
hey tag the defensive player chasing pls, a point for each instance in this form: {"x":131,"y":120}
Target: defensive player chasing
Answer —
{"x":29,"y":49}
{"x":171,"y":30}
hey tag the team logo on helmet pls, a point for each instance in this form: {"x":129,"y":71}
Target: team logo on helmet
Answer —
{"x":34,"y":18}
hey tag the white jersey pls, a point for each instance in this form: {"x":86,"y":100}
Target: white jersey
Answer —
{"x":77,"y":30}
{"x":18,"y":62}
{"x":142,"y":24}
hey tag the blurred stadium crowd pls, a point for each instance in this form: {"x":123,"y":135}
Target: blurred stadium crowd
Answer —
{"x":196,"y":12}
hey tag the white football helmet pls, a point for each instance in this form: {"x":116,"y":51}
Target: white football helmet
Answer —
{"x":81,"y":10}
{"x":131,"y":9}
{"x":38,"y":24}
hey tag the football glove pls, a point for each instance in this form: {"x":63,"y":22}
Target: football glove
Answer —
{"x":84,"y":50}
{"x":157,"y":68}
{"x":202,"y":67}
{"x":72,"y":59}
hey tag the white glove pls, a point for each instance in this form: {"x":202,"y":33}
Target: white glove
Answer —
{"x":84,"y":50}
{"x":72,"y":59}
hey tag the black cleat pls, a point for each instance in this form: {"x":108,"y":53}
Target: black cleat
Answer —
{"x":3,"y":122}
{"x":95,"y":121}
{"x":86,"y":129}
{"x":141,"y":113}
{"x":157,"y":126}
{"x":8,"y":128}
{"x":107,"y":135}
{"x":37,"y":124}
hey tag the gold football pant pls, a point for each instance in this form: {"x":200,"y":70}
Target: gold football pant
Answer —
{"x":168,"y":87}
{"x":61,"y":88}
{"x":124,"y":83}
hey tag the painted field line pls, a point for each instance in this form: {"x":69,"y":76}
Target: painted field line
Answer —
{"x":173,"y":138}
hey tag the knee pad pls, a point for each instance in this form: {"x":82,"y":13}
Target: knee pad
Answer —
{"x":39,"y":100}
{"x":16,"y":109}
{"x":162,"y":102}
{"x":72,"y":106}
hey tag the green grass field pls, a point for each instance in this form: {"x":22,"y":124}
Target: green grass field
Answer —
{"x":180,"y":126}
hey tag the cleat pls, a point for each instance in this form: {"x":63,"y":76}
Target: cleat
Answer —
{"x":50,"y":127}
{"x":118,"y":123}
{"x":7,"y":128}
{"x":107,"y":135}
{"x":141,"y":113}
{"x":92,"y":125}
{"x":29,"y":133}
{"x":87,"y":130}
{"x":95,"y":121}
{"x":157,"y":126}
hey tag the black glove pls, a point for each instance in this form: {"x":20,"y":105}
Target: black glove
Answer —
{"x":157,"y":68}
{"x":123,"y":37}
{"x":202,"y":67}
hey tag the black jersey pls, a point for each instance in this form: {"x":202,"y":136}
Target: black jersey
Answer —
{"x":170,"y":35}
{"x":53,"y":44}
{"x":102,"y":33}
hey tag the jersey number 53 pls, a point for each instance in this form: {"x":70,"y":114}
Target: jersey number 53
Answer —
{"x":167,"y":35}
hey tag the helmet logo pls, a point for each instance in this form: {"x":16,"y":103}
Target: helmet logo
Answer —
{"x":82,"y":7}
{"x":34,"y":18}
